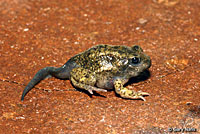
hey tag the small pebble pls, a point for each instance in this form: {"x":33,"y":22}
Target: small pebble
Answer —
{"x":26,"y":29}
{"x":142,"y":21}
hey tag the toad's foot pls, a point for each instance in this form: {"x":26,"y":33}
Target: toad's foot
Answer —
{"x":131,"y":94}
{"x":91,"y":89}
{"x":126,"y":93}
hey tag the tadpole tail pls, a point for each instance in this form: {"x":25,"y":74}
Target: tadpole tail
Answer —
{"x":40,"y":75}
{"x":62,"y":72}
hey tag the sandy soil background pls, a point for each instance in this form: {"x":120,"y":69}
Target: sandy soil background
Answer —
{"x":39,"y":33}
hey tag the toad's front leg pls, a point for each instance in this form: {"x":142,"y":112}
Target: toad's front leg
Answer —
{"x":126,"y":93}
{"x":84,"y":79}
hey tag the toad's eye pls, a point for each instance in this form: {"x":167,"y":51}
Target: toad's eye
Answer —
{"x":135,"y":60}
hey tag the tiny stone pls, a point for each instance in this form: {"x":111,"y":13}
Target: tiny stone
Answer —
{"x":108,"y":23}
{"x":143,"y":31}
{"x":142,"y":21}
{"x":188,"y":103}
{"x":195,"y":39}
{"x":103,"y":119}
{"x":76,"y":42}
{"x":66,"y":9}
{"x":20,"y":118}
{"x":137,"y":28}
{"x":26,"y":29}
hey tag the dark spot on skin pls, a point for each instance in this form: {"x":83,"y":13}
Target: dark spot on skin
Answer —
{"x":87,"y":76}
{"x":136,"y":48}
{"x":120,"y":51}
{"x":88,"y":54}
{"x":116,"y":47}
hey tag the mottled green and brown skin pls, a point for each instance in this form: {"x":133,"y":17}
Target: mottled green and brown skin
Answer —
{"x":100,"y":68}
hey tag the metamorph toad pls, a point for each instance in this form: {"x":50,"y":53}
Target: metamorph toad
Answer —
{"x":100,"y":68}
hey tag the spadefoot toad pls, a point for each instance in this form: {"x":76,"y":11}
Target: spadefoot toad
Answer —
{"x":100,"y":68}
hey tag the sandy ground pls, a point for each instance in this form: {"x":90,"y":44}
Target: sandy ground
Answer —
{"x":39,"y":33}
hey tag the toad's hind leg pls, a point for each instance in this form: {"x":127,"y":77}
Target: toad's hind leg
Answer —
{"x":84,"y":79}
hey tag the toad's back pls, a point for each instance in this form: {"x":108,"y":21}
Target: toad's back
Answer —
{"x":103,"y":58}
